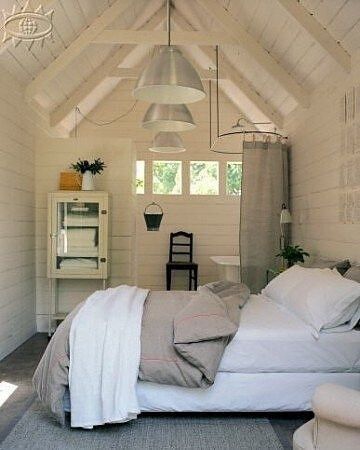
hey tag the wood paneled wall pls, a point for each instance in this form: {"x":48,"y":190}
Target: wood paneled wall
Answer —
{"x":17,"y":221}
{"x":319,"y":159}
{"x":213,"y":219}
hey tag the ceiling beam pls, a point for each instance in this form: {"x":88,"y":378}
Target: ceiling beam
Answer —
{"x":255,"y":50}
{"x":99,"y":74}
{"x":134,"y":73}
{"x":229,"y":72}
{"x":159,"y":37}
{"x":318,"y":32}
{"x":77,"y":46}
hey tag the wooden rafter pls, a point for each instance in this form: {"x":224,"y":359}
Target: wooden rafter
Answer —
{"x":230,"y":73}
{"x":245,"y":40}
{"x":99,"y":74}
{"x":159,"y":37}
{"x":318,"y":32}
{"x":77,"y":46}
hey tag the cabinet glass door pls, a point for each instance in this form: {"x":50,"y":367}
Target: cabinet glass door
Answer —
{"x":77,"y":234}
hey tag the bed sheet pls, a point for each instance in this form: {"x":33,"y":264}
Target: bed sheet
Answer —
{"x":271,"y":339}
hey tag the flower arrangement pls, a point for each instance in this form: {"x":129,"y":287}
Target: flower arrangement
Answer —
{"x":83,"y":165}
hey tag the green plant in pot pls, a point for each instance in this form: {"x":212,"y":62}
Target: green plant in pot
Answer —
{"x":293,"y":254}
{"x":88,"y":170}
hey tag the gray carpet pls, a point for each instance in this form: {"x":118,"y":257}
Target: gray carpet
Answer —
{"x":36,"y":430}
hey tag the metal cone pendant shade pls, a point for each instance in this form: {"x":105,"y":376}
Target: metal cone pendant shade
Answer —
{"x":169,"y":79}
{"x":167,"y":142}
{"x":160,"y":117}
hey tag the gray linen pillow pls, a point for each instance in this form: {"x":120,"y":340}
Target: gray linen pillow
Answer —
{"x":340,"y":266}
{"x":353,"y":273}
{"x":229,"y":290}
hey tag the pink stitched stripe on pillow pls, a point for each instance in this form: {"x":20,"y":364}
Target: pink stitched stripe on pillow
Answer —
{"x":201,"y":315}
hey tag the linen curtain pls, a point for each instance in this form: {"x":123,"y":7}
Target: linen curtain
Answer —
{"x":264,"y":190}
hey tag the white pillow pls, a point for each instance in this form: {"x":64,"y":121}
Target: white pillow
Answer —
{"x":320,"y":297}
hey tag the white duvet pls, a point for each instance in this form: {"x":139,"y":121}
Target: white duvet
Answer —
{"x":105,"y":357}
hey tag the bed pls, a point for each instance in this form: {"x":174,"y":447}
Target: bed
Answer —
{"x":273,"y":364}
{"x":289,"y":340}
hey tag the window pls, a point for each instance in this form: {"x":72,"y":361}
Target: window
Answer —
{"x":140,"y":177}
{"x":233,"y":177}
{"x":167,"y":177}
{"x":204,"y":178}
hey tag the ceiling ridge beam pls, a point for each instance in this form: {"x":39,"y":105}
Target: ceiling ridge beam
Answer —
{"x":317,"y":32}
{"x":238,"y":80}
{"x":256,"y":51}
{"x":99,"y":74}
{"x":76,"y":47}
{"x":160,"y":37}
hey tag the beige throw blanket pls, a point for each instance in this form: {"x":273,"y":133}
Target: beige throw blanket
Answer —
{"x":183,"y":337}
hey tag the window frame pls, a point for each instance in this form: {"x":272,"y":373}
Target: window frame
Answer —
{"x":143,"y":174}
{"x":181,"y":182}
{"x":213,"y":161}
{"x":227,"y":193}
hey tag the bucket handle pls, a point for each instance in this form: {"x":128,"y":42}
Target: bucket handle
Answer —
{"x":153,"y":204}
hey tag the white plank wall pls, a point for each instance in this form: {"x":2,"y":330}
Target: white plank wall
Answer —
{"x":213,"y":219}
{"x":318,"y":156}
{"x":54,"y":156}
{"x":17,"y":221}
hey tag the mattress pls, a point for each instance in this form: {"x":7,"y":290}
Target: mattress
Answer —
{"x":271,"y":339}
{"x":242,"y":392}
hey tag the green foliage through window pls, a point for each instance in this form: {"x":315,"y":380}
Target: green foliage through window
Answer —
{"x":140,"y":177}
{"x":167,"y":177}
{"x":204,"y":178}
{"x":233,"y":178}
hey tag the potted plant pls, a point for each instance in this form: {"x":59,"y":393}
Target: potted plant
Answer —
{"x":88,"y":170}
{"x":293,"y":254}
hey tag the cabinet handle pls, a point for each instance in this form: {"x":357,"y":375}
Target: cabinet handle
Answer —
{"x":102,"y":259}
{"x":75,"y":199}
{"x":103,"y":211}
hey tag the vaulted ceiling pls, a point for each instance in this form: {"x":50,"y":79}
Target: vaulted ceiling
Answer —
{"x":273,"y":53}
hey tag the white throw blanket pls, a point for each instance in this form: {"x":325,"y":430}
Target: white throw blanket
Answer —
{"x":105,"y":357}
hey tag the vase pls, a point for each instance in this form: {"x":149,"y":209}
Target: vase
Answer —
{"x":87,"y":181}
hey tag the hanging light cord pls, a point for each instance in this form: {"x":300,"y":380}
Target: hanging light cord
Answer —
{"x":217,"y":92}
{"x":105,"y":123}
{"x":168,"y":21}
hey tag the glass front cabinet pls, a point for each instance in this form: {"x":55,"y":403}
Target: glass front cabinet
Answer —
{"x":78,"y":234}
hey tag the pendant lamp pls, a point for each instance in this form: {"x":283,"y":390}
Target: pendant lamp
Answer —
{"x":160,"y":117}
{"x":167,"y":142}
{"x":169,"y":78}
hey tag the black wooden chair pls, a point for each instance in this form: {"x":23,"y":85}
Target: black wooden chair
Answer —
{"x":181,"y":245}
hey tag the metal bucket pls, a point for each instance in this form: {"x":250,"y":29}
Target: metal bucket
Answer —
{"x":153,"y":220}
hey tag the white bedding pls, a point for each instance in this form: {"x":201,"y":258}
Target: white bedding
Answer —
{"x":106,"y":328}
{"x":271,"y":339}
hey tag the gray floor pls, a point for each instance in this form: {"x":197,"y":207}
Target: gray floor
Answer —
{"x":18,"y":368}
